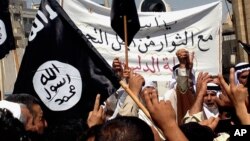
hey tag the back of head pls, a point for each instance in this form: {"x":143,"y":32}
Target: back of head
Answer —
{"x":66,"y":130}
{"x":11,"y":129}
{"x":125,"y":129}
{"x":24,"y":98}
{"x":90,"y":133}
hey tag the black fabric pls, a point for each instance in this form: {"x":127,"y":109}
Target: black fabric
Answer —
{"x":245,"y":46}
{"x":119,"y":9}
{"x":8,"y":43}
{"x":60,"y":40}
{"x":224,"y":126}
{"x":217,"y":88}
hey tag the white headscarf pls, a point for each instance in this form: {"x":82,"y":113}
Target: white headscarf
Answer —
{"x":149,"y":84}
{"x":14,"y":108}
{"x":240,"y":67}
{"x":212,"y":112}
{"x":214,"y":87}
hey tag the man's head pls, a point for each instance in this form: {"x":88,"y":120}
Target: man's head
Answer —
{"x":11,"y":128}
{"x":21,"y":112}
{"x":243,"y":77}
{"x":125,"y":129}
{"x":27,"y":119}
{"x":242,"y":73}
{"x":33,"y":105}
{"x":149,"y":86}
{"x":212,"y":92}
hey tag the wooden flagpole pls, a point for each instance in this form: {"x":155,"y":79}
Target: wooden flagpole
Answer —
{"x":126,"y":40}
{"x":125,"y":86}
{"x":1,"y":80}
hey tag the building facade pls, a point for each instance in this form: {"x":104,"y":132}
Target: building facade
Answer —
{"x":241,"y":20}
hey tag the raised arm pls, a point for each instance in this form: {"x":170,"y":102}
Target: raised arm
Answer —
{"x":164,"y":116}
{"x":97,"y":115}
{"x":201,"y":87}
{"x":135,"y":82}
{"x":238,"y":95}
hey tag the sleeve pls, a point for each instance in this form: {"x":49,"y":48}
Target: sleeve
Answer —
{"x":194,"y":118}
{"x":222,"y":137}
{"x":171,"y":96}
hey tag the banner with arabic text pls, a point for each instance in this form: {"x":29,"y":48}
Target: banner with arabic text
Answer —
{"x":152,"y":52}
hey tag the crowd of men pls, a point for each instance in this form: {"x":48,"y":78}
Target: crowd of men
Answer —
{"x":193,"y":109}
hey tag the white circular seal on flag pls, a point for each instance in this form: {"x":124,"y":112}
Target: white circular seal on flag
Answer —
{"x":59,"y":85}
{"x":3,"y":35}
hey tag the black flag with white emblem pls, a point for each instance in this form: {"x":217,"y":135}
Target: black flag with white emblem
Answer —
{"x":7,"y":41}
{"x":62,"y":68}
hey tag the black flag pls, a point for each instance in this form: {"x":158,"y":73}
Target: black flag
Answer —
{"x":62,"y":68}
{"x":118,"y":10}
{"x":7,"y":41}
{"x":245,"y":46}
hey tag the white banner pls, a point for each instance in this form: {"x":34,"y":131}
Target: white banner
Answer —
{"x":152,"y":52}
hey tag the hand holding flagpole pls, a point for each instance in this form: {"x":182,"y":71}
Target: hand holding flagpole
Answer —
{"x":140,"y":105}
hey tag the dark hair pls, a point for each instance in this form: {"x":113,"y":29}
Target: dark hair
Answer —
{"x":66,"y":130}
{"x":11,"y":129}
{"x":125,"y":129}
{"x":27,"y":99}
{"x":91,"y":132}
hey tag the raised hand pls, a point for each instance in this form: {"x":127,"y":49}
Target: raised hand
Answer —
{"x":185,"y":59}
{"x":135,"y":82}
{"x":212,"y":122}
{"x":201,"y":90}
{"x":163,"y":115}
{"x":97,"y":116}
{"x":202,"y":80}
{"x":238,"y":95}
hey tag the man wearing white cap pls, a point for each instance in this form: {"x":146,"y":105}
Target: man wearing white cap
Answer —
{"x":209,"y":106}
{"x":205,"y":106}
{"x":241,"y":73}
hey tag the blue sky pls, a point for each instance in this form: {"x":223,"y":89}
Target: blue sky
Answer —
{"x":175,"y":4}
